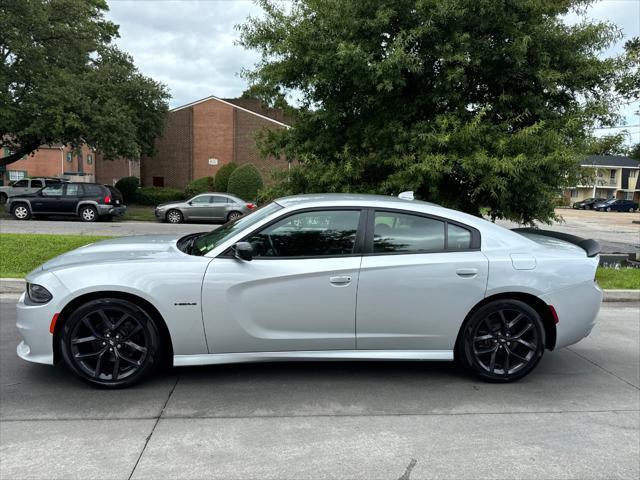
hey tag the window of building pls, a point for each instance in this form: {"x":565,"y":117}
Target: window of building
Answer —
{"x":15,"y":175}
{"x":69,"y":157}
{"x":399,"y":232}
{"x":309,"y":234}
{"x":628,"y":195}
{"x":89,"y":159}
{"x":574,"y":193}
{"x":613,"y":174}
{"x":158,"y":181}
{"x":633,"y":173}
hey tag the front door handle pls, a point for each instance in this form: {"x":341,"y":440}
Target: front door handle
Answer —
{"x":467,"y":272}
{"x":340,"y":280}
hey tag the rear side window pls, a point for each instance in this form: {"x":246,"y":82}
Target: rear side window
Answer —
{"x":458,"y":238}
{"x":92,"y":190}
{"x":217,"y":199}
{"x":398,"y":232}
{"x":36,"y":184}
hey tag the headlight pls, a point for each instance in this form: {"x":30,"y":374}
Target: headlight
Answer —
{"x":37,"y":293}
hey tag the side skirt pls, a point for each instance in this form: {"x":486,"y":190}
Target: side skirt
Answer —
{"x":329,"y":355}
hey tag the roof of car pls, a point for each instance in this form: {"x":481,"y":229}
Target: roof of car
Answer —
{"x":343,"y":197}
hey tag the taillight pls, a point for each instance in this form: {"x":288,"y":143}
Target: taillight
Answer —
{"x":250,"y":206}
{"x":107,"y":199}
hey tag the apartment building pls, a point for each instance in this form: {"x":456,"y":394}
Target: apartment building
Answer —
{"x":614,"y":176}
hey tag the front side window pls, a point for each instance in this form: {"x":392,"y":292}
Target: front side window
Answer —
{"x":21,"y":184}
{"x":399,"y":232}
{"x":309,"y":234}
{"x":52,"y":190}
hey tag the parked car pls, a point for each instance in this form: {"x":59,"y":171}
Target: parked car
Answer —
{"x":588,"y":203}
{"x":314,"y":277}
{"x":89,"y":201}
{"x":216,"y":207}
{"x":26,"y":185}
{"x":616,"y":205}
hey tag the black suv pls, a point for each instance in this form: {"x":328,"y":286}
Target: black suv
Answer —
{"x":89,"y":201}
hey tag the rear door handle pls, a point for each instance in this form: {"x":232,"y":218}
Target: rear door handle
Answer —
{"x":467,"y":272}
{"x":340,"y":280}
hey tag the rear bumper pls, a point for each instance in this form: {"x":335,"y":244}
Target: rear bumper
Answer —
{"x":577,"y":308}
{"x":111,"y":210}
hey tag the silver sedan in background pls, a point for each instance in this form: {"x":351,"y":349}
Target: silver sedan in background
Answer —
{"x":216,"y":207}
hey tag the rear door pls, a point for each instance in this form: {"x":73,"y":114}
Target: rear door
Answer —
{"x":418,"y":280}
{"x":48,"y":199}
{"x":70,"y":198}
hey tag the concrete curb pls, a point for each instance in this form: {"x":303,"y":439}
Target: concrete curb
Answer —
{"x":17,"y":285}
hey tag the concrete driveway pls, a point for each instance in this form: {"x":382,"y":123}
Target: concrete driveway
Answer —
{"x":577,"y":416}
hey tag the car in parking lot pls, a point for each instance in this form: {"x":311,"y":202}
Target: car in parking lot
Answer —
{"x":211,"y":206}
{"x":616,"y":205}
{"x":88,"y":201}
{"x":314,"y":277}
{"x":588,"y":203}
{"x":26,"y":185}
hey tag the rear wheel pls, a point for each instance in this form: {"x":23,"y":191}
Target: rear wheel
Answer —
{"x":503,"y":341}
{"x":608,"y":209}
{"x":88,"y":214}
{"x":21,"y":211}
{"x":233,"y":216}
{"x":174,"y":216}
{"x":110,"y":343}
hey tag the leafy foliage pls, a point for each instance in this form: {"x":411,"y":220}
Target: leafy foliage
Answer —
{"x":222,"y":176}
{"x":157,"y":195}
{"x":127,"y":187}
{"x":245,"y":182}
{"x":470,"y":103}
{"x":201,"y":185}
{"x":63,"y":80}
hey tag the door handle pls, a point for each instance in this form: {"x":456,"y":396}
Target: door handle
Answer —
{"x":467,"y":272}
{"x":340,"y":280}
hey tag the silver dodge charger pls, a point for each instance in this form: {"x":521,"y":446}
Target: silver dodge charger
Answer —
{"x":314,"y":277}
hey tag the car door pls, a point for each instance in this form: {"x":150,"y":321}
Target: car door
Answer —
{"x":48,"y":199}
{"x":35,"y":185}
{"x":418,"y":281}
{"x":298,"y":293}
{"x":20,"y":187}
{"x":219,"y":207}
{"x":70,"y":198}
{"x":198,"y":208}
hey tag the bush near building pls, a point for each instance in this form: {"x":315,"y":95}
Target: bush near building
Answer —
{"x":223,"y":175}
{"x":245,"y":182}
{"x":127,"y":187}
{"x":156,"y":195}
{"x":201,"y":185}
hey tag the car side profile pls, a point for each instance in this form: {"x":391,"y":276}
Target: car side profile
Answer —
{"x":314,"y":277}
{"x":588,"y":203}
{"x":211,"y":206}
{"x":88,"y":201}
{"x":616,"y":205}
{"x":26,"y":185}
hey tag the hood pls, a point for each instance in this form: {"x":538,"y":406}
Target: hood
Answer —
{"x":122,"y":249}
{"x":168,"y":204}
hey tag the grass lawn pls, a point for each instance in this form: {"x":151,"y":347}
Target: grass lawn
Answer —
{"x":21,"y":253}
{"x":139,"y":213}
{"x":618,"y":278}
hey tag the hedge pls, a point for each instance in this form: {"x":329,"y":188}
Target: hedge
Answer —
{"x":245,"y":182}
{"x":156,"y":195}
{"x":223,"y":175}
{"x":127,"y":186}
{"x":201,"y":185}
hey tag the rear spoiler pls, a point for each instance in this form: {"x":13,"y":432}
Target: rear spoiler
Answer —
{"x":590,"y":246}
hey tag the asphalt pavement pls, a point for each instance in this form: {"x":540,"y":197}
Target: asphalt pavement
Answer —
{"x":576,"y":416}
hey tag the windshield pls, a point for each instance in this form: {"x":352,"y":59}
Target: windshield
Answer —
{"x":207,"y":242}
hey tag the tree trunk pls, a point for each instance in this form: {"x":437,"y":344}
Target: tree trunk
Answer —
{"x":19,"y":153}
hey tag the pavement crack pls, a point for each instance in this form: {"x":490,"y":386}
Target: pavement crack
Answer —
{"x":603,"y":369}
{"x":407,"y":472}
{"x":153,"y":429}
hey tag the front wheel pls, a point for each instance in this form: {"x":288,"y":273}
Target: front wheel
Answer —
{"x":20,"y":211}
{"x":174,"y":216}
{"x":110,"y":343}
{"x":502,"y":342}
{"x":608,"y":209}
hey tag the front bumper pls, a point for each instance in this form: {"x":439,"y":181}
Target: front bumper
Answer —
{"x":111,"y":210}
{"x":33,"y":323}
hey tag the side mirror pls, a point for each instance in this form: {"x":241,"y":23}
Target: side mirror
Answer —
{"x":243,"y":251}
{"x":190,"y":202}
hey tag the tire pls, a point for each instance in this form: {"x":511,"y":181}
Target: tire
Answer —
{"x":502,"y":341}
{"x":174,"y":216}
{"x":88,"y":214}
{"x":233,"y":216}
{"x":21,"y":211}
{"x":3,"y":198}
{"x":631,"y":209}
{"x":110,"y":343}
{"x":608,"y":209}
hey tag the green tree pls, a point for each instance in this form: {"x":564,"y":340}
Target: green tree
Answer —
{"x":201,"y":185}
{"x":222,"y":176}
{"x":245,"y":182}
{"x":63,"y":80}
{"x":469,"y":103}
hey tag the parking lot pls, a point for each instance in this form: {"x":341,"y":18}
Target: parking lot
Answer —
{"x":577,"y":416}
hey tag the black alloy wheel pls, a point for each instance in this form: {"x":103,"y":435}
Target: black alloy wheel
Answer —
{"x":111,"y":343}
{"x":503,"y":341}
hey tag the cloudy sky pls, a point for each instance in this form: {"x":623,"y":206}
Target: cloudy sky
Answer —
{"x":189,"y":45}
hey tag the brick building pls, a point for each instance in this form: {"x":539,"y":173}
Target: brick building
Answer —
{"x":108,"y":172}
{"x":53,"y":161}
{"x":202,"y":136}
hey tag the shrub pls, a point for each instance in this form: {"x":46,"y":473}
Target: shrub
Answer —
{"x":222,"y":177}
{"x":245,"y":182}
{"x":156,"y":195}
{"x":201,"y":185}
{"x":127,"y":186}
